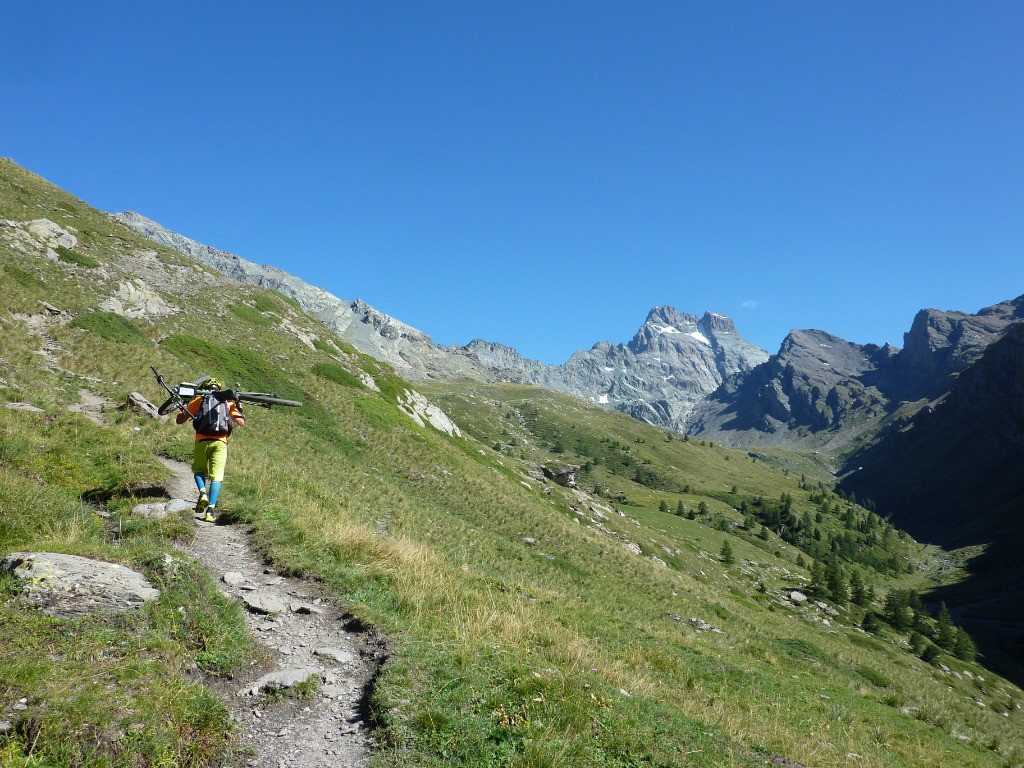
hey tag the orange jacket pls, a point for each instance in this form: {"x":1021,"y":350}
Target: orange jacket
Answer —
{"x":193,"y":408}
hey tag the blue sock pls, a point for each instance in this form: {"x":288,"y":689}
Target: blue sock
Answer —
{"x":214,"y":492}
{"x":200,"y":482}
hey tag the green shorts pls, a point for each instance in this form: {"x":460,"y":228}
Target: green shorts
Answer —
{"x":210,"y":459}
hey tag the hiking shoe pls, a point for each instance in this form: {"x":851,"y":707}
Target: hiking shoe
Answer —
{"x":211,"y":515}
{"x":203,"y":503}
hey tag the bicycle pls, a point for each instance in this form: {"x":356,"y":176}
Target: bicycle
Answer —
{"x":180,"y":393}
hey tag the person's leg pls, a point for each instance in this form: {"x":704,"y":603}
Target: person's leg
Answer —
{"x":218,"y":461}
{"x":199,"y":473}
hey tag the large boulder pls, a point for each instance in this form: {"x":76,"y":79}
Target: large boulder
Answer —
{"x":136,"y":403}
{"x":69,"y":585}
{"x":564,"y":476}
{"x":50,"y":233}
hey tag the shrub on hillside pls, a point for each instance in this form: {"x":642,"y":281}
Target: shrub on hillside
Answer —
{"x":250,"y":315}
{"x":111,"y":327}
{"x":338,"y":375}
{"x":74,"y":257}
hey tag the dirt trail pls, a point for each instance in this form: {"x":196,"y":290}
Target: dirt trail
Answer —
{"x":328,"y":729}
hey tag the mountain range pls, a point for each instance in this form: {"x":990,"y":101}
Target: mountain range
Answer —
{"x":822,"y":391}
{"x":672,"y":362}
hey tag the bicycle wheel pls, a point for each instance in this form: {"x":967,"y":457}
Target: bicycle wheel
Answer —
{"x":171,"y":404}
{"x":261,"y":399}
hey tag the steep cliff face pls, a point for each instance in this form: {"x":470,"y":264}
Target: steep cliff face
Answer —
{"x":941,"y":344}
{"x":672,"y":362}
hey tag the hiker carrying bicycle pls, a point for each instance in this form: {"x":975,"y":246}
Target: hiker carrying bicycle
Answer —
{"x":213,"y":416}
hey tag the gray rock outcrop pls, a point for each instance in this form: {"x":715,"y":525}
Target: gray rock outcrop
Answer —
{"x":160,"y":509}
{"x":672,"y":362}
{"x":263,"y":602}
{"x":419,"y":409}
{"x":941,"y":344}
{"x":564,"y":476}
{"x":137,"y":403}
{"x":68,"y":585}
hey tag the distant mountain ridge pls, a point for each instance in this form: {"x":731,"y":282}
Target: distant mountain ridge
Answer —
{"x":673,"y":361}
{"x":411,"y":352}
{"x":823,"y":391}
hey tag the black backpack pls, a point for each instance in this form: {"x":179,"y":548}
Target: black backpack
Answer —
{"x":212,"y":417}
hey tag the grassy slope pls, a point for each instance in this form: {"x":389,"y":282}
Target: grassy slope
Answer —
{"x":557,"y":652}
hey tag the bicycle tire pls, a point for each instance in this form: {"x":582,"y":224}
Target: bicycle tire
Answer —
{"x":250,"y":397}
{"x":171,"y":404}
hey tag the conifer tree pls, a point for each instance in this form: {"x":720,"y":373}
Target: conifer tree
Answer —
{"x":917,"y":642}
{"x":663,"y":506}
{"x":817,"y":586}
{"x":858,"y":594}
{"x":835,"y":581}
{"x":919,"y":622}
{"x":870,"y":623}
{"x":727,"y":556}
{"x":945,"y":632}
{"x":964,"y":648}
{"x":930,"y":652}
{"x":680,"y":509}
{"x":897,"y":609}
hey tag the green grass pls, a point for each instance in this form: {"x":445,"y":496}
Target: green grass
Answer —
{"x":23,"y":277}
{"x":232,"y":364}
{"x":286,"y":299}
{"x":524,"y":628}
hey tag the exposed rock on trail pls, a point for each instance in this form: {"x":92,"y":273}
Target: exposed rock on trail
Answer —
{"x":314,"y":650}
{"x":69,"y":585}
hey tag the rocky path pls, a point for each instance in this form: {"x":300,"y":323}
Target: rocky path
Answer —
{"x":307,"y":638}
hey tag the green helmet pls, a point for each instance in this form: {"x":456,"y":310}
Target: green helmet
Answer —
{"x":214,"y":384}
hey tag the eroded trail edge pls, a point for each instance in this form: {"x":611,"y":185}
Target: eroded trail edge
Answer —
{"x":307,"y":638}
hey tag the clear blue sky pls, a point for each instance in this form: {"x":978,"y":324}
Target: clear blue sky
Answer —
{"x":542,"y":173}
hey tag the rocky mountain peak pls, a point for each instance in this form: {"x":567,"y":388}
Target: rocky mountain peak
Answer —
{"x":713,"y":323}
{"x":669,"y":316}
{"x":941,"y":344}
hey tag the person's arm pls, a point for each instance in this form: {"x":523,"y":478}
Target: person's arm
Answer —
{"x":189,"y":412}
{"x":235,"y":411}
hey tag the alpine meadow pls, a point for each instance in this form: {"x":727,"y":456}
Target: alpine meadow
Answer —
{"x":552,"y":583}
